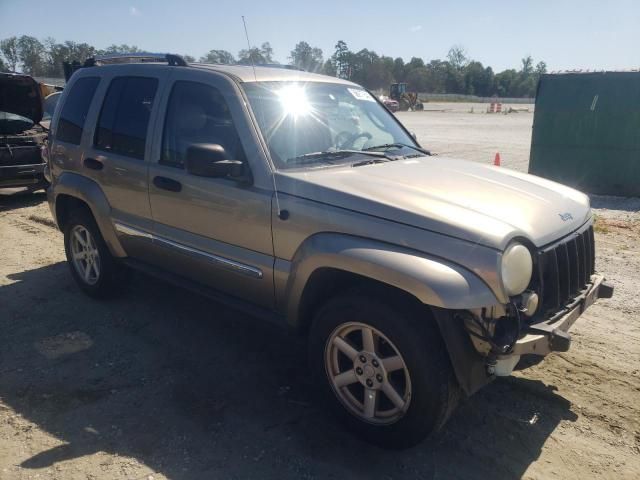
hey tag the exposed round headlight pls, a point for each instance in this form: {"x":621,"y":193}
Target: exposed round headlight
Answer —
{"x":516,"y":268}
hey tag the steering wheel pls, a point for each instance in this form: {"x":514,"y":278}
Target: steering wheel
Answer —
{"x":345,"y":140}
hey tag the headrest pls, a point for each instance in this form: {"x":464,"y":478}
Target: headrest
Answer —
{"x":191,"y":117}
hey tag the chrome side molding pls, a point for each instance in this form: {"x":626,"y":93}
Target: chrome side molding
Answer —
{"x":223,"y":262}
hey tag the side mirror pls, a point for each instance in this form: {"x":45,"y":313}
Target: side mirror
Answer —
{"x":210,"y":160}
{"x":415,"y":137}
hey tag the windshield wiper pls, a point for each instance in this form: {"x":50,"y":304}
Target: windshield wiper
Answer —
{"x":313,"y":156}
{"x":387,"y":146}
{"x":371,"y":161}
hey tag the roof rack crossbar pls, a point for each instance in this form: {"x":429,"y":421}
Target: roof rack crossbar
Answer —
{"x":141,"y":57}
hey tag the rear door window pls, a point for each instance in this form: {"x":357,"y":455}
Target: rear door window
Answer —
{"x":74,"y":110}
{"x":124,"y":118}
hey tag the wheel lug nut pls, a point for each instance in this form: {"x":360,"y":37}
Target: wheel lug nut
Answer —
{"x":369,"y":382}
{"x":359,"y":371}
{"x":375,"y":363}
{"x":379,"y":378}
{"x":363,"y":359}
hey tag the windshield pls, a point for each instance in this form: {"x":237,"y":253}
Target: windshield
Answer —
{"x":10,"y":123}
{"x":299,"y":119}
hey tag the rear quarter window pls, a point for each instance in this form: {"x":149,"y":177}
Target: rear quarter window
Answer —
{"x":75,"y":108}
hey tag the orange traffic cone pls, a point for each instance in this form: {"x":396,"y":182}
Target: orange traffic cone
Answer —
{"x":496,"y":161}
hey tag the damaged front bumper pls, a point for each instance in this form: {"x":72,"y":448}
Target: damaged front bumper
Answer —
{"x":552,"y":335}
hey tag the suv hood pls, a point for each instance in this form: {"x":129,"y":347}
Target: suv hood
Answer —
{"x":479,"y":203}
{"x":19,"y":95}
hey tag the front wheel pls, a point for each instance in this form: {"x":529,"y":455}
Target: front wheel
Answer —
{"x":384,"y":371}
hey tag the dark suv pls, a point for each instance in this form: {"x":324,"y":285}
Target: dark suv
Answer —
{"x":21,"y":135}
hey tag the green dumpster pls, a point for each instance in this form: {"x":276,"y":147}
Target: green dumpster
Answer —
{"x":586,"y":131}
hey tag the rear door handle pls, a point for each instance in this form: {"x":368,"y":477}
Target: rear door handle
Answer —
{"x":165,"y":183}
{"x":93,"y":164}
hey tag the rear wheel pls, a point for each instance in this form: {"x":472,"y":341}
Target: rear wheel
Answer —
{"x":91,"y":263}
{"x":384,"y":371}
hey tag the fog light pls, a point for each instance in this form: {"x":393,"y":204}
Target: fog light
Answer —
{"x":529,"y":303}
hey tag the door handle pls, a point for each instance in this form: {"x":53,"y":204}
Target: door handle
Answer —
{"x":93,"y":164}
{"x":165,"y":183}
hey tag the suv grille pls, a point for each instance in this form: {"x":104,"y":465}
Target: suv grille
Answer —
{"x":565,"y":269}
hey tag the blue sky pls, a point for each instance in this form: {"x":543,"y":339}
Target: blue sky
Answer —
{"x":566,"y":34}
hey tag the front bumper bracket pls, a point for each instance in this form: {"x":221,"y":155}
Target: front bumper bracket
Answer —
{"x":552,"y":335}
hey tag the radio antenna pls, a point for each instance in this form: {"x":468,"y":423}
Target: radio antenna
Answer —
{"x":246,"y":34}
{"x":283,"y":215}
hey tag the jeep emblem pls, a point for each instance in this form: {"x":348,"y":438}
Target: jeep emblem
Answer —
{"x":565,"y":216}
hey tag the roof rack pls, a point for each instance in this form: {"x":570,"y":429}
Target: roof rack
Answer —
{"x":118,"y":58}
{"x":138,"y":57}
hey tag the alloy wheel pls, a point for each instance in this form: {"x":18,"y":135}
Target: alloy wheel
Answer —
{"x":367,"y":373}
{"x":85,"y":255}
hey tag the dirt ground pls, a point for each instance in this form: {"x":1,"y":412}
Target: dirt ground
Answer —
{"x":465,"y":130}
{"x":161,"y":383}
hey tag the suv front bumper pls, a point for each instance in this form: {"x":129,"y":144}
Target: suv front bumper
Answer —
{"x":552,"y":335}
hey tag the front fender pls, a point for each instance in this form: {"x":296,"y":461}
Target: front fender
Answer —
{"x":88,"y":191}
{"x":433,"y":281}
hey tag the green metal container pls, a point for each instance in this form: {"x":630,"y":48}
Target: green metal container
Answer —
{"x":586,"y":131}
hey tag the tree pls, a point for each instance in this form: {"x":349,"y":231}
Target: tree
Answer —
{"x":527,"y":66}
{"x":267,"y":52}
{"x":218,"y":56}
{"x":329,"y":68}
{"x":57,"y":53}
{"x":398,"y":69}
{"x":457,"y":57}
{"x":3,"y":66}
{"x":478,"y":80}
{"x":506,"y":83}
{"x":306,"y":57}
{"x":255,"y":55}
{"x":9,"y":48}
{"x":457,"y":74}
{"x":415,"y":62}
{"x":541,"y":68}
{"x":340,"y":58}
{"x":188,"y":58}
{"x":31,"y":53}
{"x":123,"y":48}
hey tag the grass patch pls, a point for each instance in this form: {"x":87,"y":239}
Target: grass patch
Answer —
{"x":44,"y":221}
{"x":599,"y":226}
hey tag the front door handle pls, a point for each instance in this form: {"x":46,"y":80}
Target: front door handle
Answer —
{"x":93,"y":164}
{"x":165,"y":183}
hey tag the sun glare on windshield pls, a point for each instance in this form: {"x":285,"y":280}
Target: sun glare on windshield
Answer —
{"x":294,"y":101}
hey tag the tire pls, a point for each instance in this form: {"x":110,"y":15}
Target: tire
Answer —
{"x":103,"y":281}
{"x":425,"y":383}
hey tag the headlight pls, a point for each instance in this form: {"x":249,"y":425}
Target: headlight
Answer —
{"x":516,"y":268}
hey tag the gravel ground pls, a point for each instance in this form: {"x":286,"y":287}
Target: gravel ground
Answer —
{"x":161,"y":383}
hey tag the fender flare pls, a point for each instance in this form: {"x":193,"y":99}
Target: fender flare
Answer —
{"x":89,"y":192}
{"x":433,"y":281}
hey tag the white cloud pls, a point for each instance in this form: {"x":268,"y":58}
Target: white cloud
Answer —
{"x":415,"y":28}
{"x":134,"y":12}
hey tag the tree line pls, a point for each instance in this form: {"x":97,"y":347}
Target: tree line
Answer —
{"x":456,"y":74}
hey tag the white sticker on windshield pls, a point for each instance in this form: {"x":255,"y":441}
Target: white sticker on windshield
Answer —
{"x":361,"y":94}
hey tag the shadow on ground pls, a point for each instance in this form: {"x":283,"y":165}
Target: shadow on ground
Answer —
{"x":194,"y":390}
{"x":14,"y":199}
{"x":626,"y":204}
